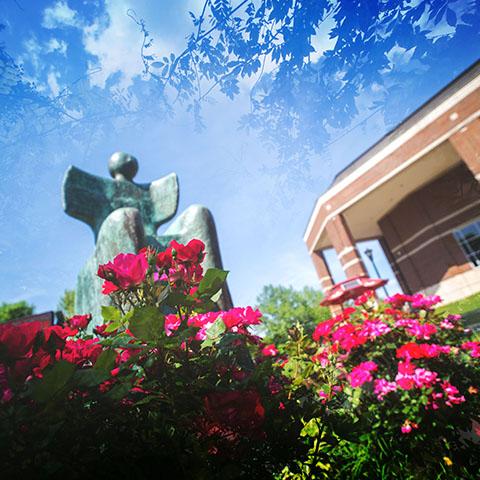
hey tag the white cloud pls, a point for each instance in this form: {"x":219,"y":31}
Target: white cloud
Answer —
{"x":60,"y":15}
{"x":33,"y":49}
{"x":116,"y":46}
{"x":55,"y":45}
{"x":52,"y":81}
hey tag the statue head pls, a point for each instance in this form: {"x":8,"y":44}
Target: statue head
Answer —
{"x":123,"y":166}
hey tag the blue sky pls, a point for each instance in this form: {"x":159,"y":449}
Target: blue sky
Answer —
{"x":90,"y":50}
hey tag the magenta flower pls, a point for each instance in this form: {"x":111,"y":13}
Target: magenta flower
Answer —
{"x":408,"y":426}
{"x":382,"y":387}
{"x":172,"y":322}
{"x":374,"y":328}
{"x":361,"y":373}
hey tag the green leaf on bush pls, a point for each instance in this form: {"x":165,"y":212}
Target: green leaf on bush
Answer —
{"x":91,"y":377}
{"x":310,"y":429}
{"x":111,"y":314}
{"x":119,"y":391}
{"x":106,"y":360}
{"x":53,"y":381}
{"x":178,"y":299}
{"x":146,"y":323}
{"x":214,"y":332}
{"x":212,"y":281}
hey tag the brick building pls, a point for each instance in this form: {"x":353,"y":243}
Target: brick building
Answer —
{"x":417,"y":191}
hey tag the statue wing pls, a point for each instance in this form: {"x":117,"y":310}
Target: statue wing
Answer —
{"x":164,"y":194}
{"x":84,"y":197}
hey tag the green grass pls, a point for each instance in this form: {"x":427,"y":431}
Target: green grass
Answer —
{"x":468,"y":307}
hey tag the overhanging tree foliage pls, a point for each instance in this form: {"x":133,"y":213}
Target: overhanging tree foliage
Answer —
{"x":301,"y":95}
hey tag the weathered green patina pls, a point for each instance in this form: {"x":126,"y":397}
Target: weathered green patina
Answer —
{"x":125,"y":216}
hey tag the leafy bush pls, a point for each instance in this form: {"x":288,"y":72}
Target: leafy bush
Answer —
{"x":11,"y":311}
{"x":399,"y":387}
{"x":169,"y":386}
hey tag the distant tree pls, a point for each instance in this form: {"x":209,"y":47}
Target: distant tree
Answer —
{"x":283,"y":306}
{"x":11,"y":311}
{"x":66,"y":303}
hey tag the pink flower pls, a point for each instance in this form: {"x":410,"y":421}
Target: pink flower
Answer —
{"x":408,"y":426}
{"x":404,"y":378}
{"x":415,"y":328}
{"x":452,"y":394}
{"x":172,"y":322}
{"x":321,"y":358}
{"x":361,"y":373}
{"x":269,"y":350}
{"x":473,"y":347}
{"x":446,"y":324}
{"x":374,"y":328}
{"x":424,"y":378}
{"x":421,"y":301}
{"x":348,"y":337}
{"x":127,"y":270}
{"x":382,"y":387}
{"x":323,"y":329}
{"x":237,"y":319}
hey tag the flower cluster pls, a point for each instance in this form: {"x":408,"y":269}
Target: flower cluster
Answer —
{"x":142,"y":277}
{"x":27,"y":349}
{"x":390,"y":351}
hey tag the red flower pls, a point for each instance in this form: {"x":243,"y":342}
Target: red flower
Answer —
{"x":421,"y":350}
{"x":234,"y":412}
{"x":17,"y":339}
{"x":80,"y":321}
{"x":81,"y":352}
{"x":269,"y":350}
{"x":193,"y":251}
{"x":127,"y":270}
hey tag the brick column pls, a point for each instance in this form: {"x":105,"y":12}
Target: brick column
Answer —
{"x":467,"y":144}
{"x":325,"y":277}
{"x":344,"y":244}
{"x":323,"y":271}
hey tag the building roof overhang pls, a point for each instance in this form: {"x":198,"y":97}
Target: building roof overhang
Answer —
{"x":404,"y":160}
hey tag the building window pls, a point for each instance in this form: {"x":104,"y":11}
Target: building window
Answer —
{"x":469,"y":239}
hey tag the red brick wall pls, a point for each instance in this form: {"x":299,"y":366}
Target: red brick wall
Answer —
{"x":428,"y":215}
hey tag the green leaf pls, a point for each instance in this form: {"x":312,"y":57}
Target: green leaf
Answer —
{"x":212,"y":282}
{"x":91,"y":377}
{"x":111,"y":314}
{"x":119,"y":391}
{"x":310,"y":429}
{"x":213,"y":332}
{"x":146,"y":323}
{"x":53,"y":381}
{"x":106,"y":360}
{"x":175,"y":299}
